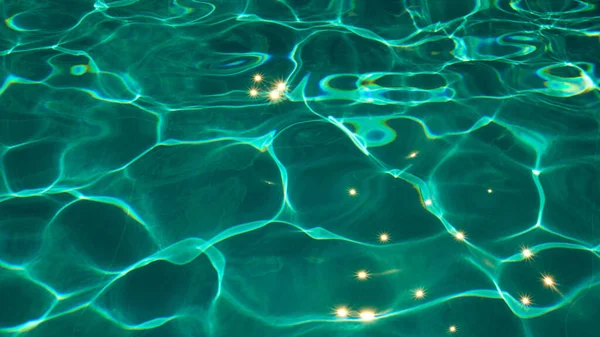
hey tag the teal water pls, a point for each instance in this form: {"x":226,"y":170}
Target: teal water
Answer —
{"x":400,"y":168}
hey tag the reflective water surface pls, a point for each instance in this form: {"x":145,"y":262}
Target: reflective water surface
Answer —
{"x":299,"y":168}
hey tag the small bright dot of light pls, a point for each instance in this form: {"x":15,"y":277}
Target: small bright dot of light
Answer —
{"x":281,"y":86}
{"x":352,"y":192}
{"x":490,"y":190}
{"x":274,"y":95}
{"x":367,"y":315}
{"x":419,"y":293}
{"x":341,"y":312}
{"x":384,"y":237}
{"x":413,"y":154}
{"x":548,"y":281}
{"x":460,"y":236}
{"x":527,"y":253}
{"x":525,"y":300}
{"x":253,"y":92}
{"x":257,"y":78}
{"x":536,"y":172}
{"x":428,"y":202}
{"x":452,"y":328}
{"x":362,"y":275}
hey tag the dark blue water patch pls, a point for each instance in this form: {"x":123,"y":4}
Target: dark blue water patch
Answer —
{"x":346,"y":82}
{"x":28,"y":301}
{"x":23,"y":174}
{"x":174,"y":288}
{"x":21,"y":233}
{"x":339,"y":53}
{"x":124,"y":240}
{"x":29,"y":66}
{"x":482,"y":78}
{"x":375,"y":135}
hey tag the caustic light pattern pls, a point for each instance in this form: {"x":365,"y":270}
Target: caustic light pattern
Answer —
{"x":299,"y":168}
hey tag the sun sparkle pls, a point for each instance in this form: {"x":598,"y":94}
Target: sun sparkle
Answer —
{"x":274,"y":96}
{"x":281,"y":86}
{"x":460,"y":236}
{"x":257,"y":77}
{"x":384,"y":237}
{"x":525,"y":300}
{"x":548,"y":281}
{"x":352,"y":192}
{"x":452,"y":329}
{"x":362,"y":275}
{"x":527,"y":253}
{"x":341,"y":312}
{"x":419,"y":293}
{"x":253,"y":92}
{"x":367,"y":315}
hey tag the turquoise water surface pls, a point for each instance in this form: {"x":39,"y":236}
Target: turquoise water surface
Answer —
{"x":306,"y":168}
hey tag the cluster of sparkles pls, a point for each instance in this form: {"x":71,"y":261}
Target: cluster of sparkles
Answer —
{"x":419,"y":293}
{"x":274,"y":94}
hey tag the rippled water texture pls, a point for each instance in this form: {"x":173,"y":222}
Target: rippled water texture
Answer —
{"x":398,"y":168}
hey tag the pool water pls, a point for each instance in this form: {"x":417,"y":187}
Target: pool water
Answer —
{"x":309,"y":168}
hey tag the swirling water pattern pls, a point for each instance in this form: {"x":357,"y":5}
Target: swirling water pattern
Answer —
{"x":400,"y":168}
